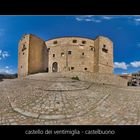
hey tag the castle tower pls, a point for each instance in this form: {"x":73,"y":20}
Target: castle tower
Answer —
{"x":31,"y":55}
{"x":103,"y":55}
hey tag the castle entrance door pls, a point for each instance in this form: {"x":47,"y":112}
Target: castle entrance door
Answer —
{"x":55,"y":67}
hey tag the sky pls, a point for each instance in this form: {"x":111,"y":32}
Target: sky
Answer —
{"x":123,"y":30}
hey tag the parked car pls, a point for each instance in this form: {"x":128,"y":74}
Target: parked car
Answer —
{"x":133,"y":82}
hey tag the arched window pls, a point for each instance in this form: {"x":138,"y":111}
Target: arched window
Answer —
{"x":55,"y":67}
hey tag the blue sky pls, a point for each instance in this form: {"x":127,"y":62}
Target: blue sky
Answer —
{"x":124,"y":31}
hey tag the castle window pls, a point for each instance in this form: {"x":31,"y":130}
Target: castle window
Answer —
{"x":72,"y":68}
{"x":62,"y":54}
{"x":53,"y":55}
{"x":83,"y":42}
{"x":83,"y":53}
{"x":48,"y":49}
{"x":92,"y":48}
{"x":104,"y":48}
{"x":23,"y":53}
{"x":69,"y":52}
{"x":85,"y":68}
{"x":47,"y":69}
{"x":55,"y":42}
{"x":21,"y":67}
{"x":74,"y":41}
{"x":24,"y":47}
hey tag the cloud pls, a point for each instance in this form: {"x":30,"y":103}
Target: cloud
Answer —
{"x":120,"y":65}
{"x":93,"y":18}
{"x":7,"y":67}
{"x":3,"y":54}
{"x":134,"y":19}
{"x":6,"y":70}
{"x":123,"y":65}
{"x":107,"y":17}
{"x":124,"y":73}
{"x":135,"y":64}
{"x":87,"y":19}
{"x":79,"y":19}
{"x":137,"y":21}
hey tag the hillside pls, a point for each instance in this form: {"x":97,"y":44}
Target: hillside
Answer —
{"x":7,"y":76}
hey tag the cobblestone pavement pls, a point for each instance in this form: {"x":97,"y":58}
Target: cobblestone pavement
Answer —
{"x":47,"y":100}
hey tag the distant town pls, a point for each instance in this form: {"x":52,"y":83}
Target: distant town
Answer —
{"x":133,"y":78}
{"x":7,"y":76}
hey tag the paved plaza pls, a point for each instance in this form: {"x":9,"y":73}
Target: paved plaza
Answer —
{"x":51,"y":99}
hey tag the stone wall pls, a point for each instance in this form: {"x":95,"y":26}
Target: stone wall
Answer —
{"x":97,"y":77}
{"x":36,"y":55}
{"x":81,"y":57}
{"x":104,"y":55}
{"x":72,"y":54}
{"x":23,"y":55}
{"x":32,"y":55}
{"x":86,"y":54}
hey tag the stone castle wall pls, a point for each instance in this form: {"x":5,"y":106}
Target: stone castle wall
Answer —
{"x":65,"y":54}
{"x":23,"y":55}
{"x":36,"y":55}
{"x":97,"y":77}
{"x":31,"y":56}
{"x":86,"y":54}
{"x":71,"y":54}
{"x":104,"y":58}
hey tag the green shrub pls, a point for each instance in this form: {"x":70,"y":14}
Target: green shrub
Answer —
{"x":75,"y":78}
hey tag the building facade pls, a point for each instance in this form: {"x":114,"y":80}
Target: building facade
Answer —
{"x":64,"y":54}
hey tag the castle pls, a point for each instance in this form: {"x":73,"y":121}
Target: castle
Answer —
{"x":64,"y":54}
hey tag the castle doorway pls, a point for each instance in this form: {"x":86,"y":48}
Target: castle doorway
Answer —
{"x":47,"y":69}
{"x":55,"y":67}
